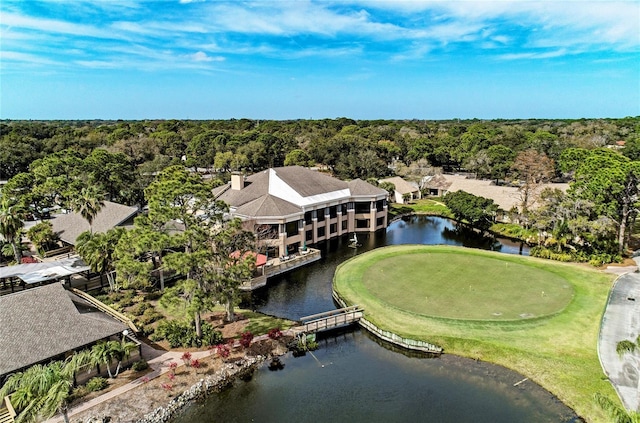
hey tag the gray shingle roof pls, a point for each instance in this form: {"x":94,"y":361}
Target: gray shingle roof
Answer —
{"x":267,"y":206}
{"x":401,"y":186}
{"x":69,"y":226}
{"x":40,"y":323}
{"x":360,"y":187}
{"x":307,"y":182}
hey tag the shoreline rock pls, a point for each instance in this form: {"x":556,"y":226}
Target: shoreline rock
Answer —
{"x":203,"y":388}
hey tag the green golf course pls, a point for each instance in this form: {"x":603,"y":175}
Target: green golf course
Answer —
{"x":534,"y":316}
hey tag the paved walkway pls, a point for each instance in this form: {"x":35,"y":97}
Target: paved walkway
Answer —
{"x":159,"y":361}
{"x":621,"y":321}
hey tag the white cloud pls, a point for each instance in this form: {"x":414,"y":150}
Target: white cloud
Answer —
{"x":533,"y":55}
{"x":201,"y":56}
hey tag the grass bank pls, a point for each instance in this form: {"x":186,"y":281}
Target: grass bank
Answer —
{"x":428,"y":206}
{"x":557,"y":351}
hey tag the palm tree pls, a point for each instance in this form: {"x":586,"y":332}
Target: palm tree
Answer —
{"x":88,"y":203}
{"x":110,"y":351}
{"x":98,"y":251}
{"x":11,"y":224}
{"x":617,"y":413}
{"x":43,"y":390}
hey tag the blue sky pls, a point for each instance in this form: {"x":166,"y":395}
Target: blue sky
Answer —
{"x":108,"y":59}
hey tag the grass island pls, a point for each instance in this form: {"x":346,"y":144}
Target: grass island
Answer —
{"x":536,"y":317}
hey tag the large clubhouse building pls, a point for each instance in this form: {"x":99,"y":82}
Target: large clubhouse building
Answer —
{"x":291,"y":207}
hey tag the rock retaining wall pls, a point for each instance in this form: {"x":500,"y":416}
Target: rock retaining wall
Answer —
{"x":203,"y":388}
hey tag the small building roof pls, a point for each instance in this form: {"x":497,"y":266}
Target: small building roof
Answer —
{"x":69,"y":226}
{"x":40,"y":272}
{"x":44,"y":322}
{"x":402,"y":186}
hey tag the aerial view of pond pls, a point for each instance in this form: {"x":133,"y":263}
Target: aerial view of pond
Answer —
{"x":354,"y":377}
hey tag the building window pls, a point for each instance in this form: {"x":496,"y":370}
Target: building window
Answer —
{"x":320,"y":213}
{"x":308,"y":217}
{"x":309,"y":236}
{"x":343,"y":208}
{"x":380,"y":221}
{"x":363,"y":207}
{"x":345,"y":225}
{"x":362,"y":223}
{"x":333,"y":212}
{"x":380,"y":205}
{"x":321,"y":232}
{"x":292,"y":228}
{"x":333,"y":228}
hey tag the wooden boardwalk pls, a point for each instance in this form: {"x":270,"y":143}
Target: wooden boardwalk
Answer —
{"x":331,"y":319}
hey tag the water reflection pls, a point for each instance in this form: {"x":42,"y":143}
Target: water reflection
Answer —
{"x":350,"y":378}
{"x":307,"y":290}
{"x":354,"y":377}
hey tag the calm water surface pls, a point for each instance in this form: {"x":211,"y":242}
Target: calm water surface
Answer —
{"x":353,"y":377}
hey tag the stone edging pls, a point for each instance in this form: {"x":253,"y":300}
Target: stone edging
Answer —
{"x":203,"y":388}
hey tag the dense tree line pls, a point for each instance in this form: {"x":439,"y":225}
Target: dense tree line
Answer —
{"x":77,"y":165}
{"x":349,"y":148}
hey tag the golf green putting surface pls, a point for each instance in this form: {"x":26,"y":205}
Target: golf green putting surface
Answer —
{"x":457,"y":283}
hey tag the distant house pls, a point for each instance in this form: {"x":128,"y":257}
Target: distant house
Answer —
{"x":46,"y":323}
{"x":69,"y":226}
{"x":296,"y":206}
{"x":404,"y":191}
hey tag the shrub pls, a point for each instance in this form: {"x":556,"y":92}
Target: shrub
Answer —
{"x":246,"y":339}
{"x":96,"y":384}
{"x":183,"y":334}
{"x":152,"y":296}
{"x":274,"y":333}
{"x":139,"y":309}
{"x":149,"y":316}
{"x":223,"y":350}
{"x":140,"y":365}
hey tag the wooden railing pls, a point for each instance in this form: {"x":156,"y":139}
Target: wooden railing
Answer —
{"x":7,"y":413}
{"x":331,"y":319}
{"x":106,"y":309}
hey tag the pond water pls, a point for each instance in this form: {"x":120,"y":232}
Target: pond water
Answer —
{"x":354,"y":377}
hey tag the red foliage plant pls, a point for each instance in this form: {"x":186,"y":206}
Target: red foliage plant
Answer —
{"x":246,"y":339}
{"x":195,"y":363}
{"x":223,"y":350}
{"x":274,"y":333}
{"x":186,"y":357}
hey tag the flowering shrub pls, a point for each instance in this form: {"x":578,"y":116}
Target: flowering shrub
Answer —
{"x":171,"y":376}
{"x":172,"y":366}
{"x":246,"y":339}
{"x":195,"y":363}
{"x":223,"y":350}
{"x":186,"y":357}
{"x":167,"y":387}
{"x":274,"y":333}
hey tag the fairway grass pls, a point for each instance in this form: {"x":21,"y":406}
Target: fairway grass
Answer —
{"x":556,"y":346}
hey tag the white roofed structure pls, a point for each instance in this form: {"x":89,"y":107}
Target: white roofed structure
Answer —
{"x":304,"y":206}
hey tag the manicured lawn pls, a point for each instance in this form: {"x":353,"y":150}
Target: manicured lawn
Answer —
{"x":425,"y":206}
{"x":466,"y":286}
{"x":557,"y":351}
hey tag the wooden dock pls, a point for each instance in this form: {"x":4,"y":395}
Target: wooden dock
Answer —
{"x":278,"y":266}
{"x":331,"y":319}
